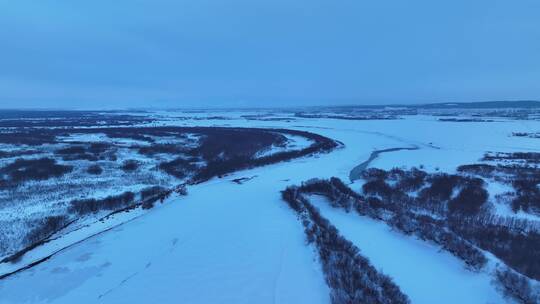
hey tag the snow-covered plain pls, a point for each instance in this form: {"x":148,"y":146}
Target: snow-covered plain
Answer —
{"x":231,"y":243}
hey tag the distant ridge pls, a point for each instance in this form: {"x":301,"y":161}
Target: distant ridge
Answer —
{"x":503,"y":104}
{"x":480,"y":105}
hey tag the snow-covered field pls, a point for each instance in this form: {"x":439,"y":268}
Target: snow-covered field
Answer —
{"x":239,"y":243}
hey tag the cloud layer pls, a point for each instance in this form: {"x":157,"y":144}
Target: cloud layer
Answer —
{"x":165,"y":53}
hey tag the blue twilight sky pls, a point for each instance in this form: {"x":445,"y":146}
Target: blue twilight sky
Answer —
{"x":185,"y":53}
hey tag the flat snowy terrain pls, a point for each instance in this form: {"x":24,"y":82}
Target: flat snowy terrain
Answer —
{"x":240,"y":243}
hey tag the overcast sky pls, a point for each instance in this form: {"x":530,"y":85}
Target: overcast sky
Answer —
{"x":206,"y":53}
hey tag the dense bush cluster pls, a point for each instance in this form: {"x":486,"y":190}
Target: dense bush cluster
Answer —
{"x":130,"y":165}
{"x":222,"y":150}
{"x":428,"y":229}
{"x":517,"y":287}
{"x":33,"y":169}
{"x":86,"y":206}
{"x":90,"y":152}
{"x":428,"y":192}
{"x":483,"y":170}
{"x":527,"y":197}
{"x":399,"y":217}
{"x":350,"y":276}
{"x":526,"y":134}
{"x":518,"y":245}
{"x":470,"y":199}
{"x":154,"y":149}
{"x":153,"y":194}
{"x":527,"y":157}
{"x":180,"y":167}
{"x":334,"y":189}
{"x":94,"y":170}
{"x":220,"y":144}
{"x":18,"y":153}
{"x":464,"y":120}
{"x":219,"y":167}
{"x":141,"y":134}
{"x":367,"y":116}
{"x":525,"y":180}
{"x":39,"y":232}
{"x":440,"y":188}
{"x":225,"y":151}
{"x":28,"y":136}
{"x":45,"y":228}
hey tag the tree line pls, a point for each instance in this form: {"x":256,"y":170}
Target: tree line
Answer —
{"x":350,"y":276}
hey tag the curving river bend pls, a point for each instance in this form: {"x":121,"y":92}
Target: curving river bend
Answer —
{"x":356,"y":172}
